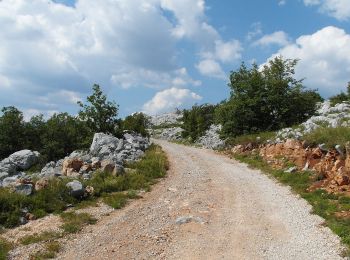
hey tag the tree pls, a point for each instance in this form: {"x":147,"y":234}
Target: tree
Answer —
{"x":12,"y":134}
{"x":34,"y":131}
{"x":63,"y":134}
{"x":137,"y":122}
{"x":265,"y":99}
{"x":341,"y":97}
{"x":99,"y":114}
{"x":197,"y":120}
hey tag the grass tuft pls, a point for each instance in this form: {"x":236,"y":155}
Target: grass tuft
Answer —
{"x":5,"y":247}
{"x":43,"y":237}
{"x":74,"y":222}
{"x":52,"y":248}
{"x":329,"y":136}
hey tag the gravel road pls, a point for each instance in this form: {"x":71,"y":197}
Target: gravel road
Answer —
{"x":209,"y":207}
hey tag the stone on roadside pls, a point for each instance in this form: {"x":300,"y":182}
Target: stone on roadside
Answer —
{"x":76,"y":188}
{"x":24,"y":189}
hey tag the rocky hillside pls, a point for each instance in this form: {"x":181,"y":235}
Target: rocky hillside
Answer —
{"x":289,"y":151}
{"x":326,"y":116}
{"x":166,"y":119}
{"x":106,"y":153}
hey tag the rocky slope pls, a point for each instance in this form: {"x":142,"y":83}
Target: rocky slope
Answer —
{"x":326,"y":116}
{"x":211,"y":139}
{"x":166,"y":119}
{"x":106,"y":153}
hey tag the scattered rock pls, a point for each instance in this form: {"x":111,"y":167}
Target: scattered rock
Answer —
{"x":76,"y":188}
{"x":291,"y":169}
{"x":71,"y":165}
{"x":41,"y":184}
{"x":24,"y":159}
{"x":107,"y":166}
{"x":342,"y":180}
{"x":211,"y":138}
{"x":188,"y":219}
{"x":24,"y":189}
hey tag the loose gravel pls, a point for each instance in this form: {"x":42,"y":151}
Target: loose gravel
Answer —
{"x":209,"y":207}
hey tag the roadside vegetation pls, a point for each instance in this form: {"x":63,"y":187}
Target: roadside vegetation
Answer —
{"x":55,"y":198}
{"x":61,"y":134}
{"x":324,"y":204}
{"x":329,"y":136}
{"x":115,"y":191}
{"x":261,"y":100}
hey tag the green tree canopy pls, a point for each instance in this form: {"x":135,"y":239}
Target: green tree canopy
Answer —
{"x":12,"y":131}
{"x":197,"y":120}
{"x":341,"y":97}
{"x":99,"y":114}
{"x":267,"y":98}
{"x":137,"y":122}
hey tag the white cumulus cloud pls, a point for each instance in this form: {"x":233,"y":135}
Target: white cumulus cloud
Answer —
{"x":211,"y":68}
{"x":47,"y":47}
{"x":169,"y":99}
{"x":279,"y":38}
{"x":324,"y":59}
{"x":339,"y":9}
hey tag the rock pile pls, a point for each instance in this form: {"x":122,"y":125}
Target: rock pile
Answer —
{"x":211,"y":138}
{"x":332,"y":167}
{"x":106,"y":153}
{"x":326,"y":116}
{"x":170,"y":134}
{"x":11,"y":168}
{"x":166,"y":119}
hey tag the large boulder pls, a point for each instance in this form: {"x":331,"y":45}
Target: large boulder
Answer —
{"x":76,"y":188}
{"x":71,"y":165}
{"x":24,"y":159}
{"x":8,"y":166}
{"x":104,"y":145}
{"x":10,"y":181}
{"x":51,"y":169}
{"x":24,"y":189}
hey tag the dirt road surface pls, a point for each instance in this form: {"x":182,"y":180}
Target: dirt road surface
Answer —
{"x":209,"y":207}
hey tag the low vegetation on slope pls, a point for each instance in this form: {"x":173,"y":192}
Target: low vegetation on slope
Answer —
{"x":56,"y":196}
{"x":113,"y":190}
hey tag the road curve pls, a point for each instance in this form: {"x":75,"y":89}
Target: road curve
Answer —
{"x":209,"y":207}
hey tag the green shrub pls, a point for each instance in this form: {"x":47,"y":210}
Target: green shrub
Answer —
{"x":197,"y":120}
{"x":258,"y":138}
{"x":54,"y":198}
{"x":43,"y":237}
{"x":328,"y":136}
{"x":5,"y":247}
{"x":74,"y":222}
{"x":52,"y":248}
{"x":116,"y":201}
{"x":265,"y":99}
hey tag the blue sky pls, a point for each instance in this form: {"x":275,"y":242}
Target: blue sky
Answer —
{"x":156,"y":55}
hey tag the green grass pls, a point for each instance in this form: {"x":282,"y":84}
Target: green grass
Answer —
{"x":52,"y":199}
{"x":323,"y":204}
{"x":116,"y":201}
{"x":328,"y":136}
{"x":56,"y":197}
{"x":5,"y":247}
{"x":43,"y":237}
{"x":52,"y":248}
{"x":251,"y":138}
{"x":74,"y":222}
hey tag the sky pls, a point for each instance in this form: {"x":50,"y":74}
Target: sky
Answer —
{"x":158,"y":55}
